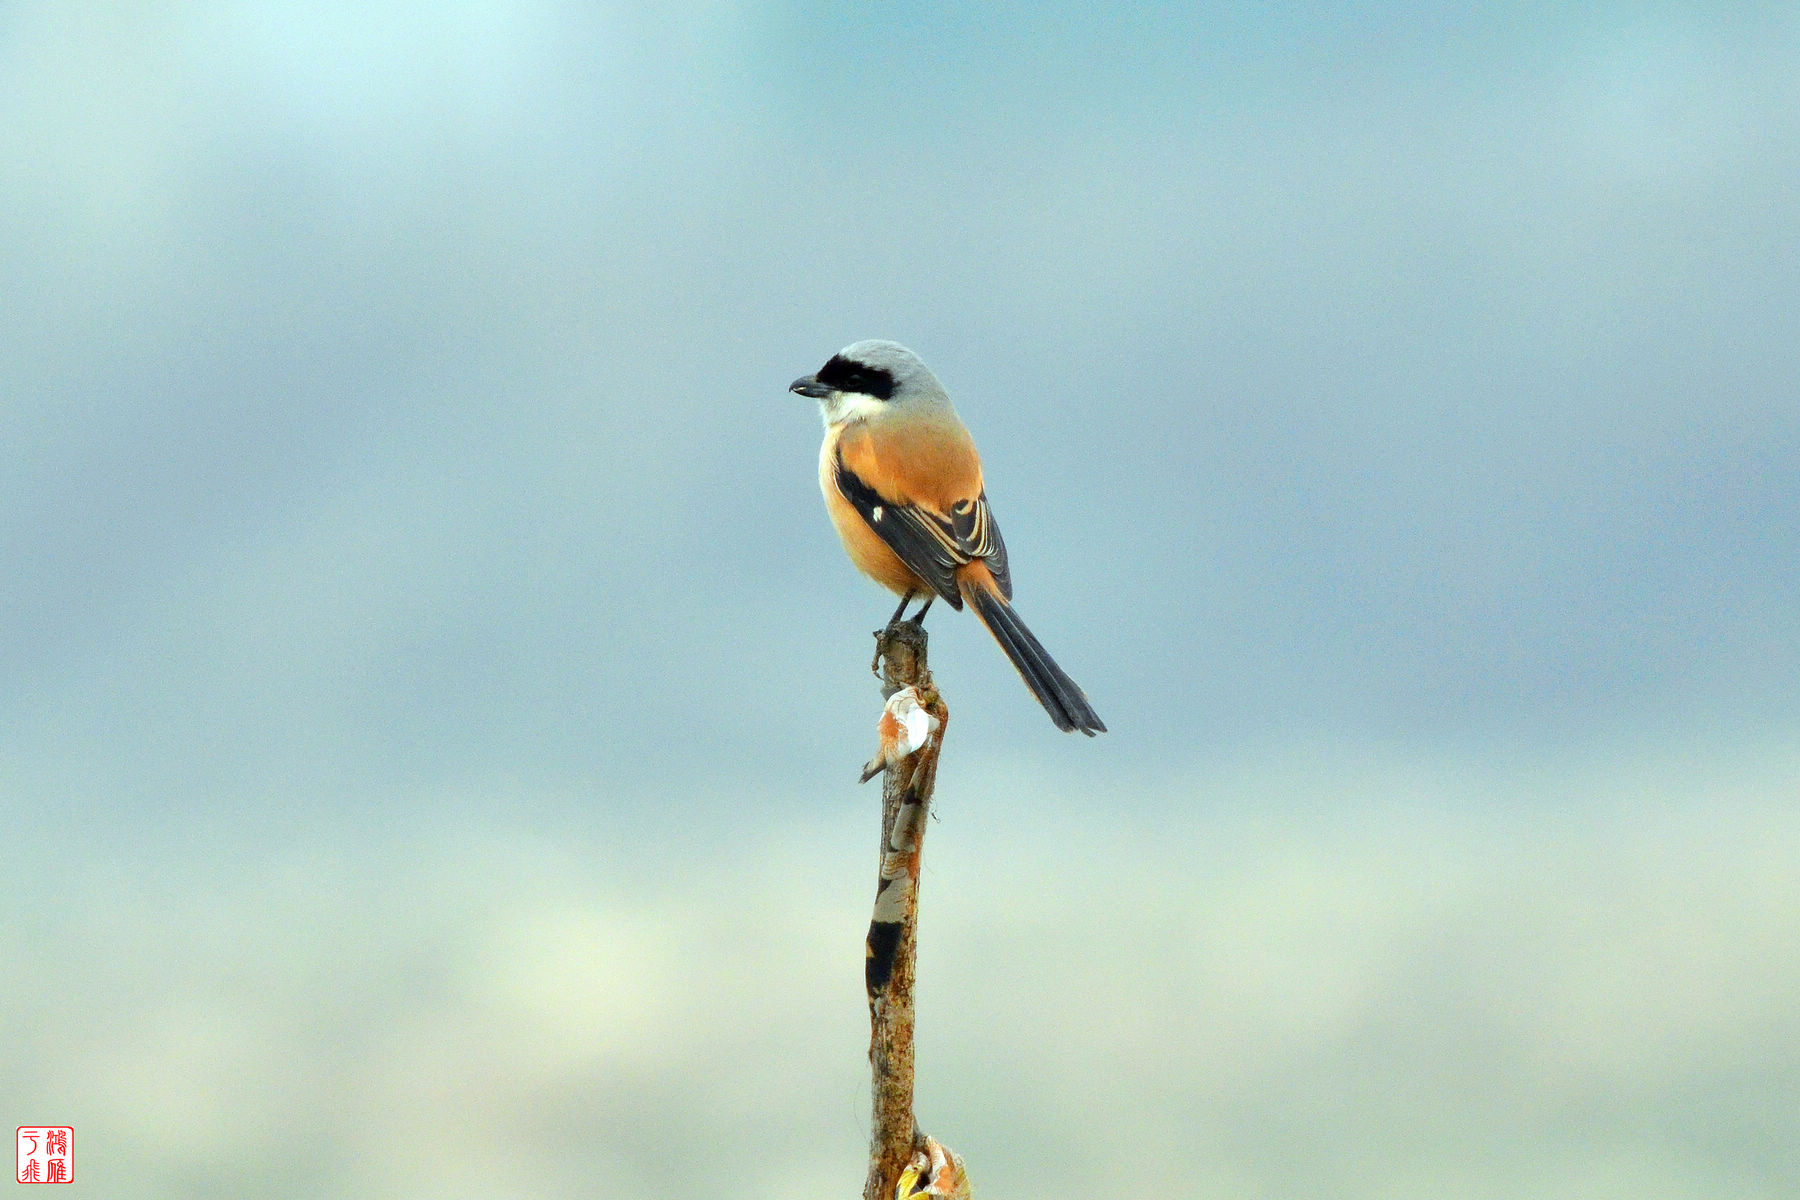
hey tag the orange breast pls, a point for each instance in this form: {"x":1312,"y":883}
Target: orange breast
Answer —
{"x":871,"y":555}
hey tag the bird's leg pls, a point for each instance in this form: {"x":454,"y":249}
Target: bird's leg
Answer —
{"x":918,"y":618}
{"x":901,"y":611}
{"x":875,"y":663}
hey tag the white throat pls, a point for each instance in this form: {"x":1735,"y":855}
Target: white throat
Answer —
{"x":840,"y":408}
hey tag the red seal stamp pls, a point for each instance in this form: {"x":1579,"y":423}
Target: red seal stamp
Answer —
{"x":46,"y":1154}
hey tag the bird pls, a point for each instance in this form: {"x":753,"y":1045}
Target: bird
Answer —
{"x":903,"y":486}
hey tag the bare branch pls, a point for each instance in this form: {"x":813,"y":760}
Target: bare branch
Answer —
{"x":900,"y":1155}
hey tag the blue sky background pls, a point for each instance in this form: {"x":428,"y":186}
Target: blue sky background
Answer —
{"x":421,"y":639}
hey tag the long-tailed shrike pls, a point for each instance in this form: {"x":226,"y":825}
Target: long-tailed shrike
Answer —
{"x":902,"y":483}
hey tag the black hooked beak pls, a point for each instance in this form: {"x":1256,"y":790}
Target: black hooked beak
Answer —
{"x":809,"y":385}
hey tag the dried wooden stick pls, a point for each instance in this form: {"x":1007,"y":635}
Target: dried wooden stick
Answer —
{"x":903,"y":1162}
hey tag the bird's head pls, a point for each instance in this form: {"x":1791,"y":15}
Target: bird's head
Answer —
{"x":865,"y":379}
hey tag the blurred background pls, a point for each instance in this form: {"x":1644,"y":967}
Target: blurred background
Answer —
{"x":431,"y":693}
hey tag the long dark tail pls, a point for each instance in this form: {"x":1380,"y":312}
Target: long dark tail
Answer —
{"x":1061,"y":697}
